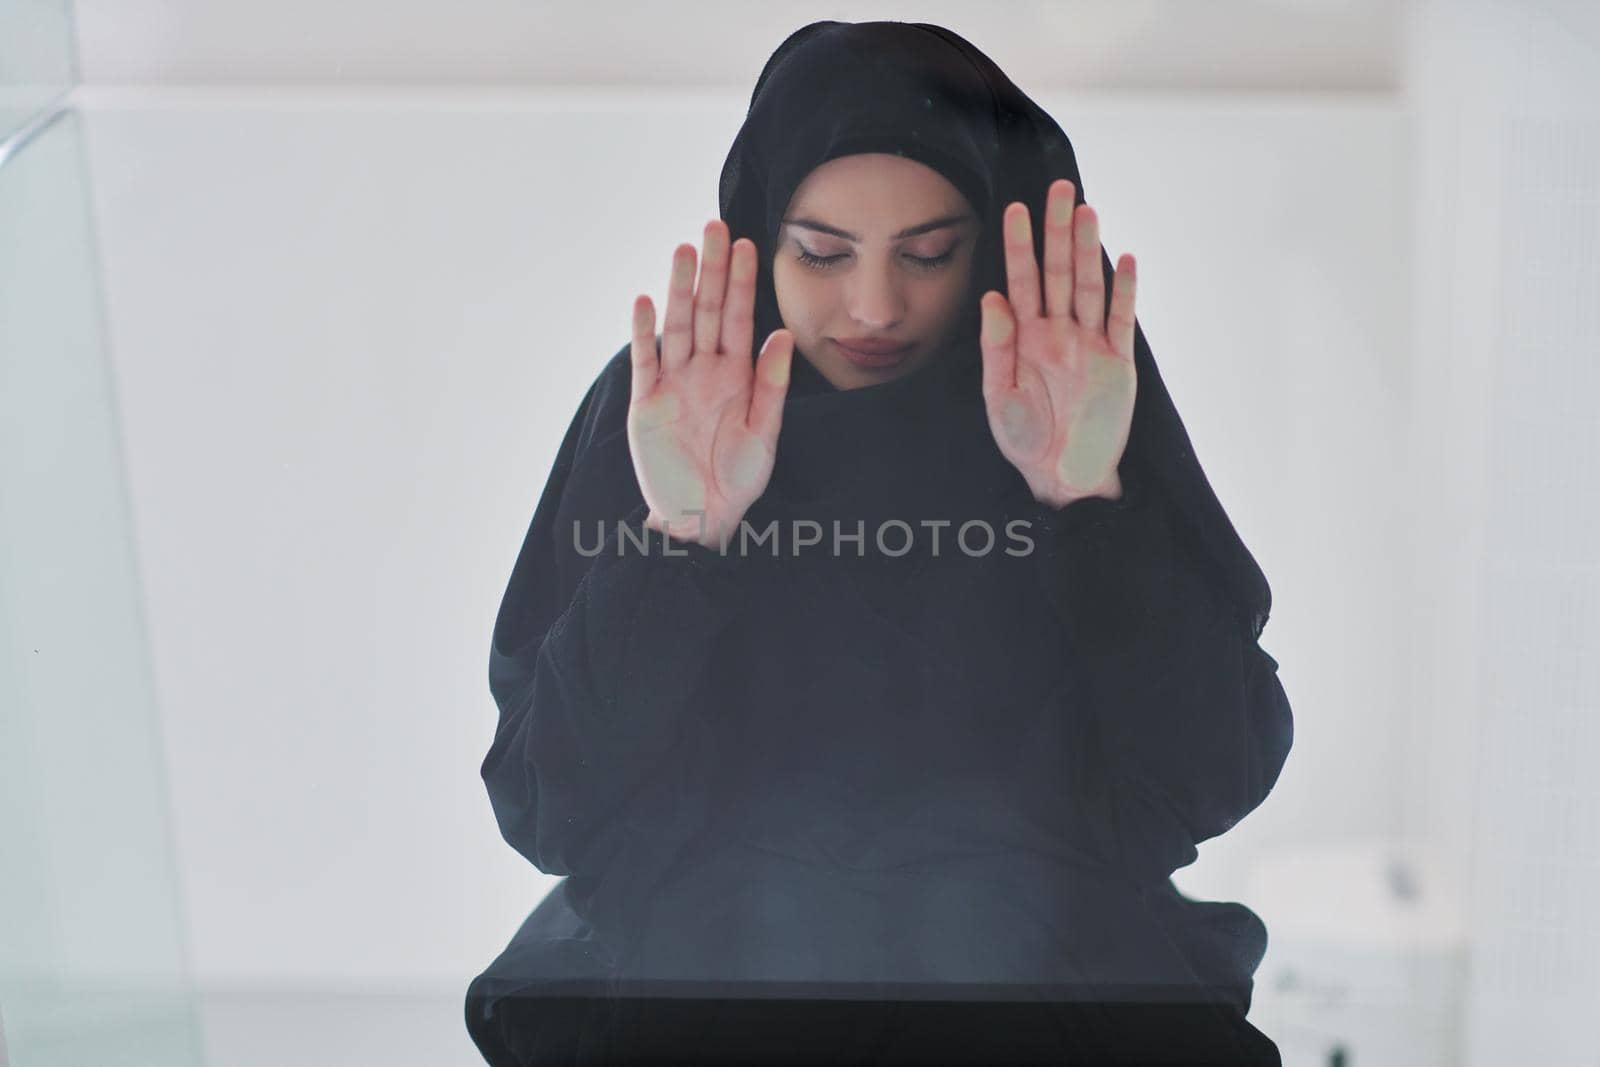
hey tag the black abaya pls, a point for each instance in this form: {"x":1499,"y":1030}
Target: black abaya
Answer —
{"x":877,"y":775}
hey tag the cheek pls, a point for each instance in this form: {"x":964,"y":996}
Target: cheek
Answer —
{"x":800,"y":296}
{"x":950,"y":293}
{"x":782,"y":288}
{"x":961,"y":286}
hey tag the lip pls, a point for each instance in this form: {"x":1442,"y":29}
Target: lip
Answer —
{"x":873,"y":353}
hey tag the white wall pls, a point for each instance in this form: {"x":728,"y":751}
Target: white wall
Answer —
{"x":1329,"y":45}
{"x":349,"y":330}
{"x":1506,"y":676}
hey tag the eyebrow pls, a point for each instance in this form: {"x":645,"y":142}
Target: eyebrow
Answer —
{"x":910,"y":231}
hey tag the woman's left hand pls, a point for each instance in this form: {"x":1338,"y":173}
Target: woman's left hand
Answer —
{"x":1059,"y":381}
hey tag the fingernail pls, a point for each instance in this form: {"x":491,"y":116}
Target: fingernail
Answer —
{"x":777,"y":372}
{"x":1087,"y":232}
{"x":996,"y":327}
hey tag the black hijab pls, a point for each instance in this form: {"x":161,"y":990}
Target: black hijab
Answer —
{"x":923,"y":92}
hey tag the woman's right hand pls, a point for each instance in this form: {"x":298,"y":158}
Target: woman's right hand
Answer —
{"x":703,"y":418}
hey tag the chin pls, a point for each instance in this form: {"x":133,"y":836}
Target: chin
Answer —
{"x":852,"y":375}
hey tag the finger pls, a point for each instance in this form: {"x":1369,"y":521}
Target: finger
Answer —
{"x":1119,"y":325}
{"x":1088,"y":283}
{"x":998,"y":340}
{"x":643,"y":352}
{"x":713,"y":285}
{"x":1022,"y":270}
{"x":677,"y":333}
{"x":1058,"y":249}
{"x":765,"y":416}
{"x":738,"y":313}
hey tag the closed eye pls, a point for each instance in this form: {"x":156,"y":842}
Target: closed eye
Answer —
{"x":925,"y":262}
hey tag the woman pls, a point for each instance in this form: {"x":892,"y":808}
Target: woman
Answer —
{"x":989,"y":678}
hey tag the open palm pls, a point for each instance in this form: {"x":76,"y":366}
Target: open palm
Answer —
{"x":703,"y":421}
{"x":1058,"y":378}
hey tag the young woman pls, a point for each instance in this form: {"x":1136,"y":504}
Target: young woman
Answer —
{"x":906,"y":657}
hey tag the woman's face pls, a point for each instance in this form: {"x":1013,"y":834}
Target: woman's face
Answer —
{"x":876,"y":247}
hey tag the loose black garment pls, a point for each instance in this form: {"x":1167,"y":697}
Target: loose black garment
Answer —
{"x":953,"y":763}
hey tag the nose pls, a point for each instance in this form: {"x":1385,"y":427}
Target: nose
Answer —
{"x":874,"y":299}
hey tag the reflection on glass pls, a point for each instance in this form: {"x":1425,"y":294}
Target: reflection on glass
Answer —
{"x":92,"y":967}
{"x":36,"y":59}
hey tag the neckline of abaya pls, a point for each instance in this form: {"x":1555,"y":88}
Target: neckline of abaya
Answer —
{"x":914,"y":445}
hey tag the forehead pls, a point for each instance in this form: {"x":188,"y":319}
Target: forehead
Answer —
{"x":876,"y":185}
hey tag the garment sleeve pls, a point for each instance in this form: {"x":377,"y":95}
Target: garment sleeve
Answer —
{"x":1185,"y":724}
{"x":595,"y":663}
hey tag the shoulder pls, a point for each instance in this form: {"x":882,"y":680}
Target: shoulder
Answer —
{"x":597,"y":437}
{"x":601,"y":421}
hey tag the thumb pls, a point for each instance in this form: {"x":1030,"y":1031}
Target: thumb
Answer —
{"x":771,"y":385}
{"x":997,"y":339}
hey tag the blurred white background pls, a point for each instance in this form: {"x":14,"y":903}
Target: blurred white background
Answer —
{"x":296,"y":301}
